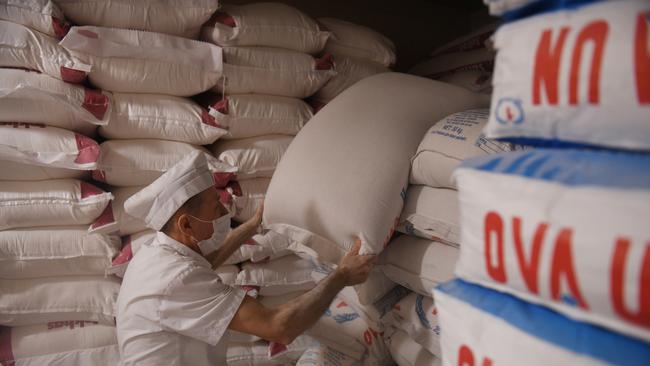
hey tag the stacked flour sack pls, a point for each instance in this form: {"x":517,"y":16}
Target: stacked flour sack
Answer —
{"x":554,"y":262}
{"x":320,"y":198}
{"x":270,"y":66}
{"x":57,"y":302}
{"x":426,"y":254}
{"x":467,"y":61}
{"x":358,"y":51}
{"x":146,"y":57}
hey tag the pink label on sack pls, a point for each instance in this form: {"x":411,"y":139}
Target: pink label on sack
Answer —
{"x":221,"y":179}
{"x":221,"y":106}
{"x":222,"y":18}
{"x":209,"y":120}
{"x":224,"y":197}
{"x":6,"y":351}
{"x":276,"y":349}
{"x":88,"y":149}
{"x":88,"y":190}
{"x":325,"y":63}
{"x":72,"y":76}
{"x":60,"y":27}
{"x":126,"y":254}
{"x":234,"y":188}
{"x":88,"y":34}
{"x":99,"y":175}
{"x":95,"y":102}
{"x":106,"y":218}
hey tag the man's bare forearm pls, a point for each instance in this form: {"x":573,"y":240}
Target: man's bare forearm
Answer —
{"x":235,"y":239}
{"x":303,"y":312}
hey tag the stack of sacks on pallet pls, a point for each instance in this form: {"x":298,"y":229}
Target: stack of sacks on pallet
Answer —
{"x":555,"y":257}
{"x":467,"y":61}
{"x":366,"y":178}
{"x":153,"y":123}
{"x":269,"y":68}
{"x":57,"y":304}
{"x":358,"y":52}
{"x":427,"y":254}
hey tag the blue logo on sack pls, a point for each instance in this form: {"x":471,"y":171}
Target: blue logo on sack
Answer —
{"x":509,"y":111}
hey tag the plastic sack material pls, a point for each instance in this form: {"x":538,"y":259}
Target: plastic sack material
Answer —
{"x":576,"y":76}
{"x":31,"y":97}
{"x":176,"y":17}
{"x":528,"y":223}
{"x":131,"y":61}
{"x":265,"y":24}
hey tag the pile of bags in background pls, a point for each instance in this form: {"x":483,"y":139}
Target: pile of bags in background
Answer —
{"x":554,"y":263}
{"x":467,"y":61}
{"x":163,"y":94}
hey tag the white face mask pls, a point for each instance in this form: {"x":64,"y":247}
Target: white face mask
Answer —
{"x":221,"y":229}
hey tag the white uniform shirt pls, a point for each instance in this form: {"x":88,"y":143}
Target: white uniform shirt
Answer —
{"x":172,"y":308}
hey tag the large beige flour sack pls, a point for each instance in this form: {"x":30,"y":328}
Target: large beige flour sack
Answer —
{"x":265,"y":24}
{"x":176,"y":17}
{"x":50,"y":203}
{"x":60,"y":343}
{"x":131,"y":61}
{"x":25,"y":48}
{"x":55,"y":251}
{"x":346,"y":172}
{"x":27,"y":96}
{"x":41,"y":15}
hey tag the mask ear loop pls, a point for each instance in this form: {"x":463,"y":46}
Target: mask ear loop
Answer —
{"x":181,"y":230}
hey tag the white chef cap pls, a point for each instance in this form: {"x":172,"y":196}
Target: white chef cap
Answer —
{"x":156,"y":203}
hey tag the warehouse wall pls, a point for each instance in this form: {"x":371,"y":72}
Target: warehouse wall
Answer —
{"x":416,"y":26}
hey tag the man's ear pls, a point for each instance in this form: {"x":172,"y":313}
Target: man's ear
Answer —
{"x":184,"y":224}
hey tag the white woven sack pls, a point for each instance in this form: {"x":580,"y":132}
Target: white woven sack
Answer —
{"x":431,"y":213}
{"x":419,"y":264}
{"x":41,"y":15}
{"x":406,"y":352}
{"x":353,"y":157}
{"x":478,"y":80}
{"x":575,"y":76}
{"x":449,"y":63}
{"x":132,"y":61}
{"x":279,"y":276}
{"x":38,"y":98}
{"x":50,"y":203}
{"x":31,"y":143}
{"x":127,"y":163}
{"x":450,"y":141}
{"x":565,"y":228}
{"x":25,"y":48}
{"x":343,"y":329}
{"x":417,"y":316}
{"x":357,"y":41}
{"x":504,"y":7}
{"x":55,"y":251}
{"x":162,"y":117}
{"x":251,"y":115}
{"x":348,"y":72}
{"x":13,"y":171}
{"x":322,"y":355}
{"x":263,"y":353}
{"x":176,"y":17}
{"x":480,"y":38}
{"x":516,"y":332}
{"x":60,"y":343}
{"x":265,"y":24}
{"x":260,"y":248}
{"x":253,"y":193}
{"x":272,"y":71}
{"x":255,"y":157}
{"x":41,"y":300}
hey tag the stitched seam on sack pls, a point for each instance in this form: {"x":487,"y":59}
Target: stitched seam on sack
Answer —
{"x":310,"y":71}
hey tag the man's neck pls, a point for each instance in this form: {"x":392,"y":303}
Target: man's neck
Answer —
{"x":185,"y":240}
